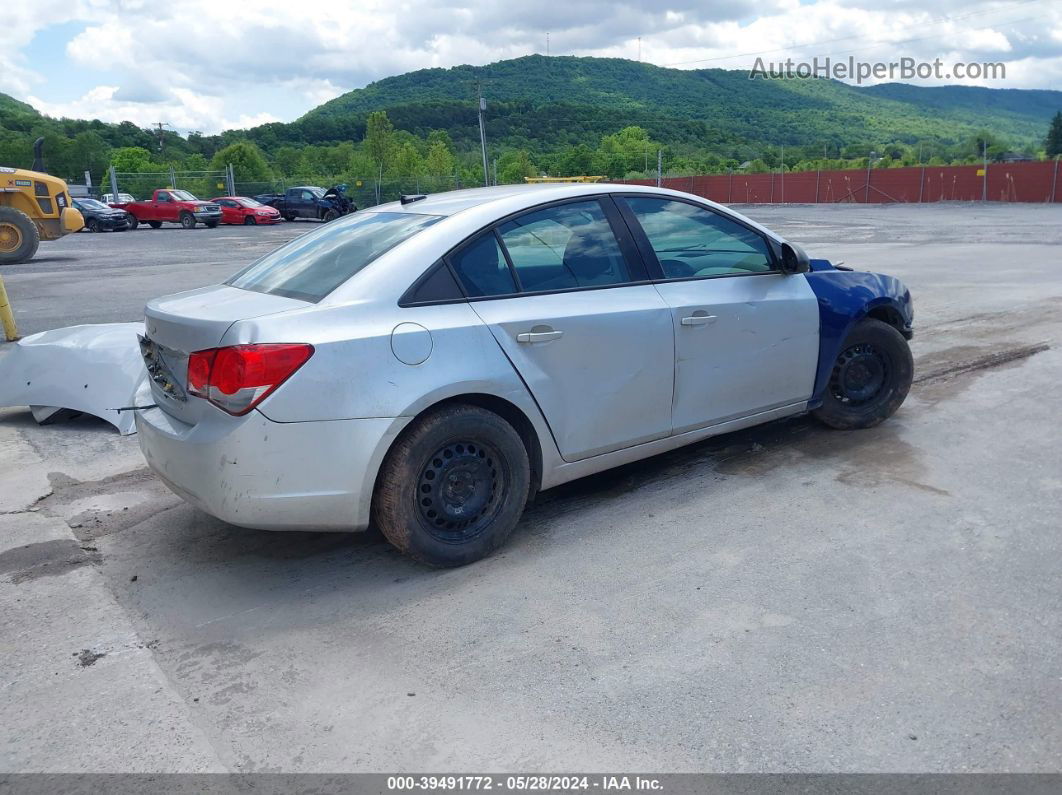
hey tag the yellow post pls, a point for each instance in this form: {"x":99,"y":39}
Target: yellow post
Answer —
{"x":6,"y":317}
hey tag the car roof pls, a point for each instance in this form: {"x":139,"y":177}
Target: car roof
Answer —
{"x":514,"y":198}
{"x":455,"y":201}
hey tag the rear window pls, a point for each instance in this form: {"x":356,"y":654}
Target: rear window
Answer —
{"x":310,"y":267}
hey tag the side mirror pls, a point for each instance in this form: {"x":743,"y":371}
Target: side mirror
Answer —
{"x":794,"y":259}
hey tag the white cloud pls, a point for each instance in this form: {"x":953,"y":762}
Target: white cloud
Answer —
{"x":204,"y":64}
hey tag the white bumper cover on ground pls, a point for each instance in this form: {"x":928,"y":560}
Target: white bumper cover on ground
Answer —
{"x":94,"y":369}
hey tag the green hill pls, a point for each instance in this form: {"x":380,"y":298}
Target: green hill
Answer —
{"x":560,"y":115}
{"x":589,"y":94}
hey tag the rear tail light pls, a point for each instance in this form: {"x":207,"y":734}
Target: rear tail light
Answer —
{"x":239,"y":377}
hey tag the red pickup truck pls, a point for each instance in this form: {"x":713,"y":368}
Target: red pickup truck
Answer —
{"x":174,"y":206}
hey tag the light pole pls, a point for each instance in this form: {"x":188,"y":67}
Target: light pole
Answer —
{"x":483,"y":137}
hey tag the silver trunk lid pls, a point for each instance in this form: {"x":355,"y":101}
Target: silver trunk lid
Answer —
{"x":178,"y":325}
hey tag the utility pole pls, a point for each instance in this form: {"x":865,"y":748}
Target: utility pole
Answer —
{"x":159,"y":125}
{"x":483,"y":134}
{"x":781,"y":169}
{"x":639,"y":49}
{"x":659,"y":167}
{"x":495,"y":171}
{"x":984,"y":170}
{"x":547,"y":44}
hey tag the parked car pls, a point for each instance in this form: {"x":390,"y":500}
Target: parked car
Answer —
{"x":242,"y":210}
{"x":174,"y":206}
{"x":430,"y":364}
{"x":101,"y":218}
{"x":308,"y":201}
{"x":123,"y":198}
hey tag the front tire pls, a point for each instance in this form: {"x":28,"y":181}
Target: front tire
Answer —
{"x":331,"y":215}
{"x":19,"y":237}
{"x":187,"y":220}
{"x":92,"y":225}
{"x":870,"y":378}
{"x":131,"y":221}
{"x":155,"y":224}
{"x":212,"y":224}
{"x":453,"y":486}
{"x":248,"y":220}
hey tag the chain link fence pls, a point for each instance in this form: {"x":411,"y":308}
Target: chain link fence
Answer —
{"x":363,"y":191}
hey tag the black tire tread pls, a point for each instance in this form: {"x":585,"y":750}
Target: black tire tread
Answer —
{"x":31,"y":238}
{"x":391,"y":509}
{"x":836,"y":415}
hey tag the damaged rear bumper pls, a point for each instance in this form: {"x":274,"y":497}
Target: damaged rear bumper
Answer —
{"x":253,"y":472}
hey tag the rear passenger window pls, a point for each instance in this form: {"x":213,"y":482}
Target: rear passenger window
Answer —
{"x":691,"y":241}
{"x":482,"y":269}
{"x":563,"y":247}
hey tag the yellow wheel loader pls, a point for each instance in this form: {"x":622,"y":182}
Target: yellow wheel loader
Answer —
{"x":34,"y":206}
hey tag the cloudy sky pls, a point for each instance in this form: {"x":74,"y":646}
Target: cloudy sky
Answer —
{"x":214,"y":64}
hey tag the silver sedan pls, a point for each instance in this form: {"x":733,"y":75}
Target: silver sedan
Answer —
{"x":429,"y":365}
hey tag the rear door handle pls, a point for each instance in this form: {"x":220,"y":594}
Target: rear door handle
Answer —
{"x":698,"y":320}
{"x":539,"y":336}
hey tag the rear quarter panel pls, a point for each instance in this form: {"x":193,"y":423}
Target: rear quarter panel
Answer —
{"x":355,"y":373}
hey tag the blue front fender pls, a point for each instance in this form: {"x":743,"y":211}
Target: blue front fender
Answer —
{"x":846,"y":297}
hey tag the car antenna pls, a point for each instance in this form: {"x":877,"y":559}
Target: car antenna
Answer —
{"x":409,"y":198}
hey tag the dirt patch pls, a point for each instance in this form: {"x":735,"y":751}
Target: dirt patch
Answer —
{"x":983,"y":362}
{"x":97,"y":508}
{"x":87,"y":657}
{"x":45,"y":559}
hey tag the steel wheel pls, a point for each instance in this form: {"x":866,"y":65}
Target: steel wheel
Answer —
{"x":459,"y":491}
{"x":870,"y":377}
{"x":860,"y":374}
{"x":453,"y":485}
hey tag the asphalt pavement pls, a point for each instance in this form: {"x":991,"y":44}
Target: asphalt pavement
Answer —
{"x":787,"y":598}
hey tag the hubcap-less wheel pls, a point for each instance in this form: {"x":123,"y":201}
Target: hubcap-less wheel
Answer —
{"x":10,"y":238}
{"x":860,"y":375}
{"x":453,"y":485}
{"x":459,"y":491}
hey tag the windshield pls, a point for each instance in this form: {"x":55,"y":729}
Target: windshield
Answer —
{"x":91,"y":204}
{"x":183,"y":196}
{"x":310,"y":267}
{"x":249,"y":203}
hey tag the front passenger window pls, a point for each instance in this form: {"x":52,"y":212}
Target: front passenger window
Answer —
{"x":691,"y":241}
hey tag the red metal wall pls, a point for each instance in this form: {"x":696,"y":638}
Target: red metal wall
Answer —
{"x":1008,"y":182}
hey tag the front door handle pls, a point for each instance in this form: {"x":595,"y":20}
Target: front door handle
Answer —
{"x":699,"y":320}
{"x":539,"y":336}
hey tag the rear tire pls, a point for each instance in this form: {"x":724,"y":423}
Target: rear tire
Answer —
{"x":870,"y":378}
{"x":248,"y":220}
{"x":453,"y":486}
{"x":212,"y":224}
{"x":155,"y":224}
{"x":19,"y":237}
{"x":289,"y":217}
{"x":187,"y":220}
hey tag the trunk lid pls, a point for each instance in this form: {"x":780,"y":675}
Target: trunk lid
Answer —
{"x":178,"y":325}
